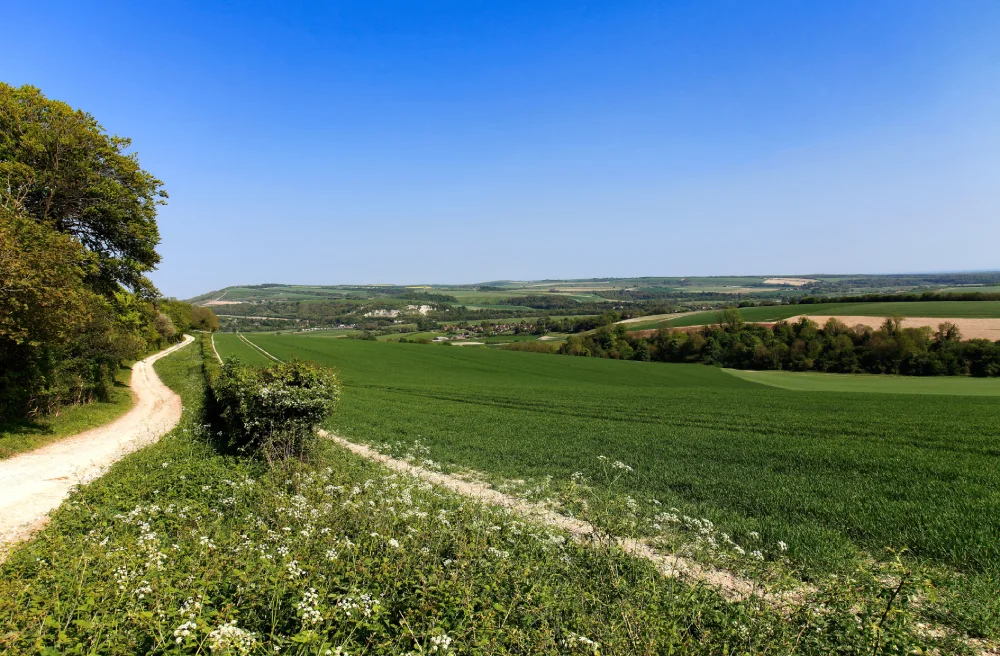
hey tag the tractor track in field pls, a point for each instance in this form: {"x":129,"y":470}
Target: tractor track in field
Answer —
{"x":727,"y":584}
{"x":36,"y":482}
{"x":249,"y":343}
{"x":214,"y":350}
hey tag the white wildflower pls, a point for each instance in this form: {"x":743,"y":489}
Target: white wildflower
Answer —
{"x":440,"y":643}
{"x":232,"y":639}
{"x":183,"y":631}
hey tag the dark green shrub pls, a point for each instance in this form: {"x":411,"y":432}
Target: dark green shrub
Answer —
{"x":274,"y":412}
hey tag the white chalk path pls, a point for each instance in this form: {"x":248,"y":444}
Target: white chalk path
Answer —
{"x":36,"y":482}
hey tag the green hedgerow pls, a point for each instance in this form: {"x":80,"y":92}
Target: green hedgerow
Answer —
{"x":274,"y":411}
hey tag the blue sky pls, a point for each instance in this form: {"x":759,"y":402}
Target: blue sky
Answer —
{"x":413,"y":142}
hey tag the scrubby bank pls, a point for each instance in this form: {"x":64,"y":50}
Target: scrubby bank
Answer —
{"x":182,"y":550}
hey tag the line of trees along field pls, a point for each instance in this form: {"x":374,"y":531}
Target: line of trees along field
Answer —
{"x":78,"y":237}
{"x":802,"y":346}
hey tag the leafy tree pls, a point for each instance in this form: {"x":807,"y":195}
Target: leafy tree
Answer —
{"x":203,"y":318}
{"x":731,"y":319}
{"x":60,"y":167}
{"x":77,"y":237}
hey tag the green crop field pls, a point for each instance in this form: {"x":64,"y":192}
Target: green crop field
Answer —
{"x":810,"y":381}
{"x":830,"y":474}
{"x":942,"y":309}
{"x":230,"y":345}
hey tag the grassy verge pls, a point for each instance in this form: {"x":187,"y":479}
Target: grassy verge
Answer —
{"x":26,"y":435}
{"x":182,"y":550}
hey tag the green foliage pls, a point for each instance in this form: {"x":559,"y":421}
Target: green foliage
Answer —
{"x":60,"y":343}
{"x":203,"y":318}
{"x":20,"y":435}
{"x":803,"y":346}
{"x":274,"y":411}
{"x":181,"y":318}
{"x":63,"y":170}
{"x":533,"y":347}
{"x":77,"y":237}
{"x":181,"y":550}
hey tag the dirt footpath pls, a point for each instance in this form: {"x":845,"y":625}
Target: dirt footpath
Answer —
{"x":36,"y":482}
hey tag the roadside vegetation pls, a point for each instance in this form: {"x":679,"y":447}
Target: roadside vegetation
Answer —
{"x":20,"y":435}
{"x":78,"y":235}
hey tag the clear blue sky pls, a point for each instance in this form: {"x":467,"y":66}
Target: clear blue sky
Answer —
{"x":408,"y":142}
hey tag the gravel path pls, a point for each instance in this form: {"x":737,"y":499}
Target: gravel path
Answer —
{"x":34,"y":483}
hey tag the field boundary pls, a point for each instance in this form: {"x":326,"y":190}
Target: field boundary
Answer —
{"x":729,"y":585}
{"x":240,"y":335}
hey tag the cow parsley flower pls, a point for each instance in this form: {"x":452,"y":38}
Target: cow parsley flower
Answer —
{"x":232,"y":639}
{"x":440,"y":643}
{"x":183,"y":631}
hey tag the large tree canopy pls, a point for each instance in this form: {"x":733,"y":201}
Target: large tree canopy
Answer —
{"x":59,"y":166}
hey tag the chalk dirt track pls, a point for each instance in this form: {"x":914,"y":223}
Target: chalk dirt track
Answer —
{"x":34,"y":483}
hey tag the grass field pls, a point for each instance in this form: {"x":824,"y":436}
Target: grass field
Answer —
{"x":830,"y":474}
{"x":809,"y":381}
{"x":182,"y":549}
{"x":230,"y":345}
{"x":943,"y":309}
{"x":31,"y":434}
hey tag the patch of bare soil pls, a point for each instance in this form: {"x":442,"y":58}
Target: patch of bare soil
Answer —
{"x":796,"y":282}
{"x":34,"y":483}
{"x":970,"y":328}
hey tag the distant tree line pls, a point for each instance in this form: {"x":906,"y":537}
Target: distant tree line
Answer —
{"x":634,"y":295}
{"x":541,"y":301}
{"x":901,"y":298}
{"x":78,"y":236}
{"x":907,"y":280}
{"x":802,"y":346}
